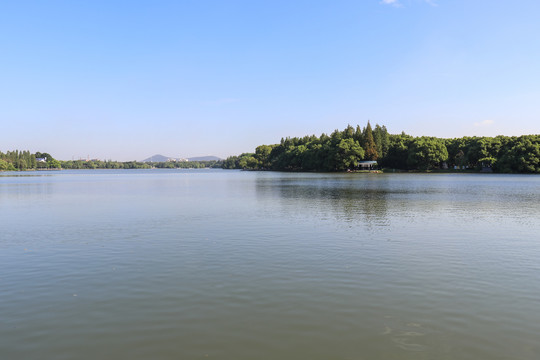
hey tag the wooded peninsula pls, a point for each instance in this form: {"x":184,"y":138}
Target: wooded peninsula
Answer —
{"x":339,"y":151}
{"x":342,"y":151}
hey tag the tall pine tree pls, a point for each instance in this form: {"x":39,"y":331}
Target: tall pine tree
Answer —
{"x":369,"y":144}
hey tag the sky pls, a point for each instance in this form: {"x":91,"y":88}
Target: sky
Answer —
{"x":124,"y":80}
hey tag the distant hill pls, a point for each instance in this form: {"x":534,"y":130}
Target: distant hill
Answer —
{"x":204,"y":158}
{"x":162,"y":158}
{"x":156,"y":158}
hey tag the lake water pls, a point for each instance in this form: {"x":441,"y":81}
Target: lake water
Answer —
{"x":200,"y":264}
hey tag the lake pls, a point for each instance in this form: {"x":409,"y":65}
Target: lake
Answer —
{"x":201,"y":264}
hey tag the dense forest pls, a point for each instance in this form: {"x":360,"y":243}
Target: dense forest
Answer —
{"x":24,"y":160}
{"x":342,"y":150}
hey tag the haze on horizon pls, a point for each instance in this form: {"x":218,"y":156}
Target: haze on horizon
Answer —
{"x":124,"y":80}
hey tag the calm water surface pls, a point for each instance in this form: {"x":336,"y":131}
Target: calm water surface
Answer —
{"x":197,"y":264}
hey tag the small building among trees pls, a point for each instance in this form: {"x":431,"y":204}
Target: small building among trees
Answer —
{"x":367,"y":165}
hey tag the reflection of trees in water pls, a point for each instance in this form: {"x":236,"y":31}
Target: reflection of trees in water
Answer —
{"x":342,"y":198}
{"x":440,"y":201}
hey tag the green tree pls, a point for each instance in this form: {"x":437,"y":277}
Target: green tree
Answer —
{"x":262,"y":154}
{"x":427,"y":153}
{"x":53,"y":164}
{"x":348,"y":133}
{"x":369,"y":144}
{"x":382,"y":142}
{"x":398,"y":152}
{"x":520,"y":155}
{"x":348,"y":153}
{"x":4,"y":165}
{"x":247,"y":161}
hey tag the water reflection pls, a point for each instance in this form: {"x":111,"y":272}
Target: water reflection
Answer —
{"x":445,"y":201}
{"x":350,"y":199}
{"x":17,"y":174}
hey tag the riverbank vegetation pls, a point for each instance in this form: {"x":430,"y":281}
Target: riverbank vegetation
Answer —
{"x":24,"y":160}
{"x":109,"y":164}
{"x":342,"y":150}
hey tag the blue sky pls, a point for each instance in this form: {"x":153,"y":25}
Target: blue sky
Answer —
{"x":124,"y":80}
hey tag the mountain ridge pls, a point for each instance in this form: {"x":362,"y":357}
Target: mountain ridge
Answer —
{"x":162,"y":158}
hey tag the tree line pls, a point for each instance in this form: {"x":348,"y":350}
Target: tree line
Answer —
{"x":109,"y":164}
{"x":341,"y":150}
{"x":102,"y":164}
{"x":24,"y":160}
{"x":17,"y":160}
